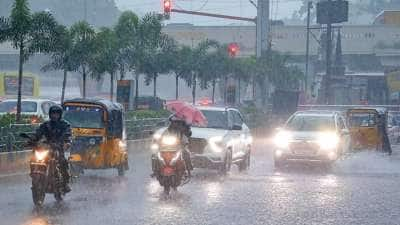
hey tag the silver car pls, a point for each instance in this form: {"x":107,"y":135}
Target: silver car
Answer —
{"x":312,"y":136}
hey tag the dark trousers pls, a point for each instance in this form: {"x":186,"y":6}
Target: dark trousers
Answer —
{"x":64,"y":167}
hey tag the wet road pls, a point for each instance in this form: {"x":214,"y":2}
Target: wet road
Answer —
{"x":361,"y":189}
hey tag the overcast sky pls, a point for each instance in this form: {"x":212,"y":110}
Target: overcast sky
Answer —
{"x":279,"y":9}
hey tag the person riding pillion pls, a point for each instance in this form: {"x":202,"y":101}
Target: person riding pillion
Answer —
{"x":57,"y":131}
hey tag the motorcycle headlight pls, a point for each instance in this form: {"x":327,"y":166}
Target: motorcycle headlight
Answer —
{"x":282,"y":139}
{"x":216,"y":143}
{"x":328,"y":141}
{"x":169,"y":140}
{"x":41,"y":155}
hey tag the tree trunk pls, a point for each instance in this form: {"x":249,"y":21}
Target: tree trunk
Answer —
{"x":155,"y":85}
{"x":254,"y":89}
{"x":226,"y":89}
{"x":112,"y":86}
{"x":239,"y":90}
{"x":194,"y":84}
{"x":20,"y":71}
{"x":84,"y":82}
{"x":213,"y":91}
{"x":176,"y":86}
{"x":136,"y":90}
{"x":64,"y":84}
{"x":122,"y":73}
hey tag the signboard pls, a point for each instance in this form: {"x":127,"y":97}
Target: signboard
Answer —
{"x":11,"y":85}
{"x":332,"y":12}
{"x":125,"y":93}
{"x":393,"y":81}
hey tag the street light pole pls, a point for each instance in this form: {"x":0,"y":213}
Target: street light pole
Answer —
{"x":262,"y":28}
{"x":307,"y":45}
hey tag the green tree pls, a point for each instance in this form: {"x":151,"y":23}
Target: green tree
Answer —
{"x":83,"y":48}
{"x":30,"y":33}
{"x":61,"y":56}
{"x":106,"y":56}
{"x":182,"y":66}
{"x":127,"y":31}
{"x":199,"y":55}
{"x":148,"y":42}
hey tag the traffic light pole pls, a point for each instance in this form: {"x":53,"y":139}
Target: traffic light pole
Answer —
{"x":262,"y":29}
{"x":328,"y":93}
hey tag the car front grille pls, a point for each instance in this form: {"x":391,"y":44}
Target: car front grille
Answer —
{"x":304,"y":148}
{"x":197,"y":145}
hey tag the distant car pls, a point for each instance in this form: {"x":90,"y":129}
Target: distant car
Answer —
{"x":225,"y":141}
{"x":34,"y":107}
{"x":312,"y":136}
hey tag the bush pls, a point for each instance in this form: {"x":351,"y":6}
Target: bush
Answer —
{"x":7,"y":119}
{"x":147,"y":114}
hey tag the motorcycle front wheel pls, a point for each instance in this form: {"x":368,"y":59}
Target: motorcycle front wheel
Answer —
{"x":38,"y":189}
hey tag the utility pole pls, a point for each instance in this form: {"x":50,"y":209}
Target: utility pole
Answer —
{"x":310,"y":5}
{"x":85,"y":10}
{"x":262,"y":28}
{"x":328,"y":57}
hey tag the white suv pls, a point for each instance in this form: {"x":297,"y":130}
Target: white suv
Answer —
{"x":312,"y":136}
{"x":224,"y":141}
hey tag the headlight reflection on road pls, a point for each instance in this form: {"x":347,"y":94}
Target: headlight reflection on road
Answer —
{"x":37,"y":221}
{"x":213,"y":191}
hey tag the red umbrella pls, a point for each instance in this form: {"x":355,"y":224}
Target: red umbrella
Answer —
{"x":184,"y":111}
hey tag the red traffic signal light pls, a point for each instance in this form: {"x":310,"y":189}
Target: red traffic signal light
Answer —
{"x":233,"y":49}
{"x":167,"y":6}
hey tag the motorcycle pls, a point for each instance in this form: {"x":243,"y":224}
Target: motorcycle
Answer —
{"x":167,"y":163}
{"x":45,"y":170}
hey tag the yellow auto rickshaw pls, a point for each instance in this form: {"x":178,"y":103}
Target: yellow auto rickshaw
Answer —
{"x":364,"y":127}
{"x":98,"y":135}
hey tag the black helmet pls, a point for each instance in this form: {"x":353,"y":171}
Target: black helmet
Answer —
{"x":56,"y":109}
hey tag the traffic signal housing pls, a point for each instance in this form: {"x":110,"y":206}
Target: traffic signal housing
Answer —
{"x":167,"y":6}
{"x":233,"y":49}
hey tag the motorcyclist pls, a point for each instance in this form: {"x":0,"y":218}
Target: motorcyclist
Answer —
{"x":57,"y":131}
{"x":382,"y":127}
{"x":183,"y":131}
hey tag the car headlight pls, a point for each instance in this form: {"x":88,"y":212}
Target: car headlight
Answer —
{"x":41,"y":155}
{"x":216,"y":143}
{"x":154,"y":147}
{"x":122,"y":144}
{"x":169,"y":140}
{"x":328,"y":140}
{"x":282,"y":139}
{"x":157,"y":136}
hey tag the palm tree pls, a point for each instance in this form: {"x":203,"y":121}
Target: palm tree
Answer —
{"x":149,"y":39}
{"x":199,"y":54}
{"x":105,"y":58}
{"x":61,"y":56}
{"x":83,"y":47}
{"x":182,"y":66}
{"x":126,"y":31}
{"x":30,"y":33}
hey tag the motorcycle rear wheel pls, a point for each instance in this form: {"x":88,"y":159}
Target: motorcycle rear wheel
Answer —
{"x":38,"y":189}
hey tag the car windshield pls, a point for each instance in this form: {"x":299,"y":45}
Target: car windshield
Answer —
{"x":84,"y":117}
{"x":11,"y":107}
{"x":310,"y":123}
{"x":362,"y":120}
{"x":216,"y":119}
